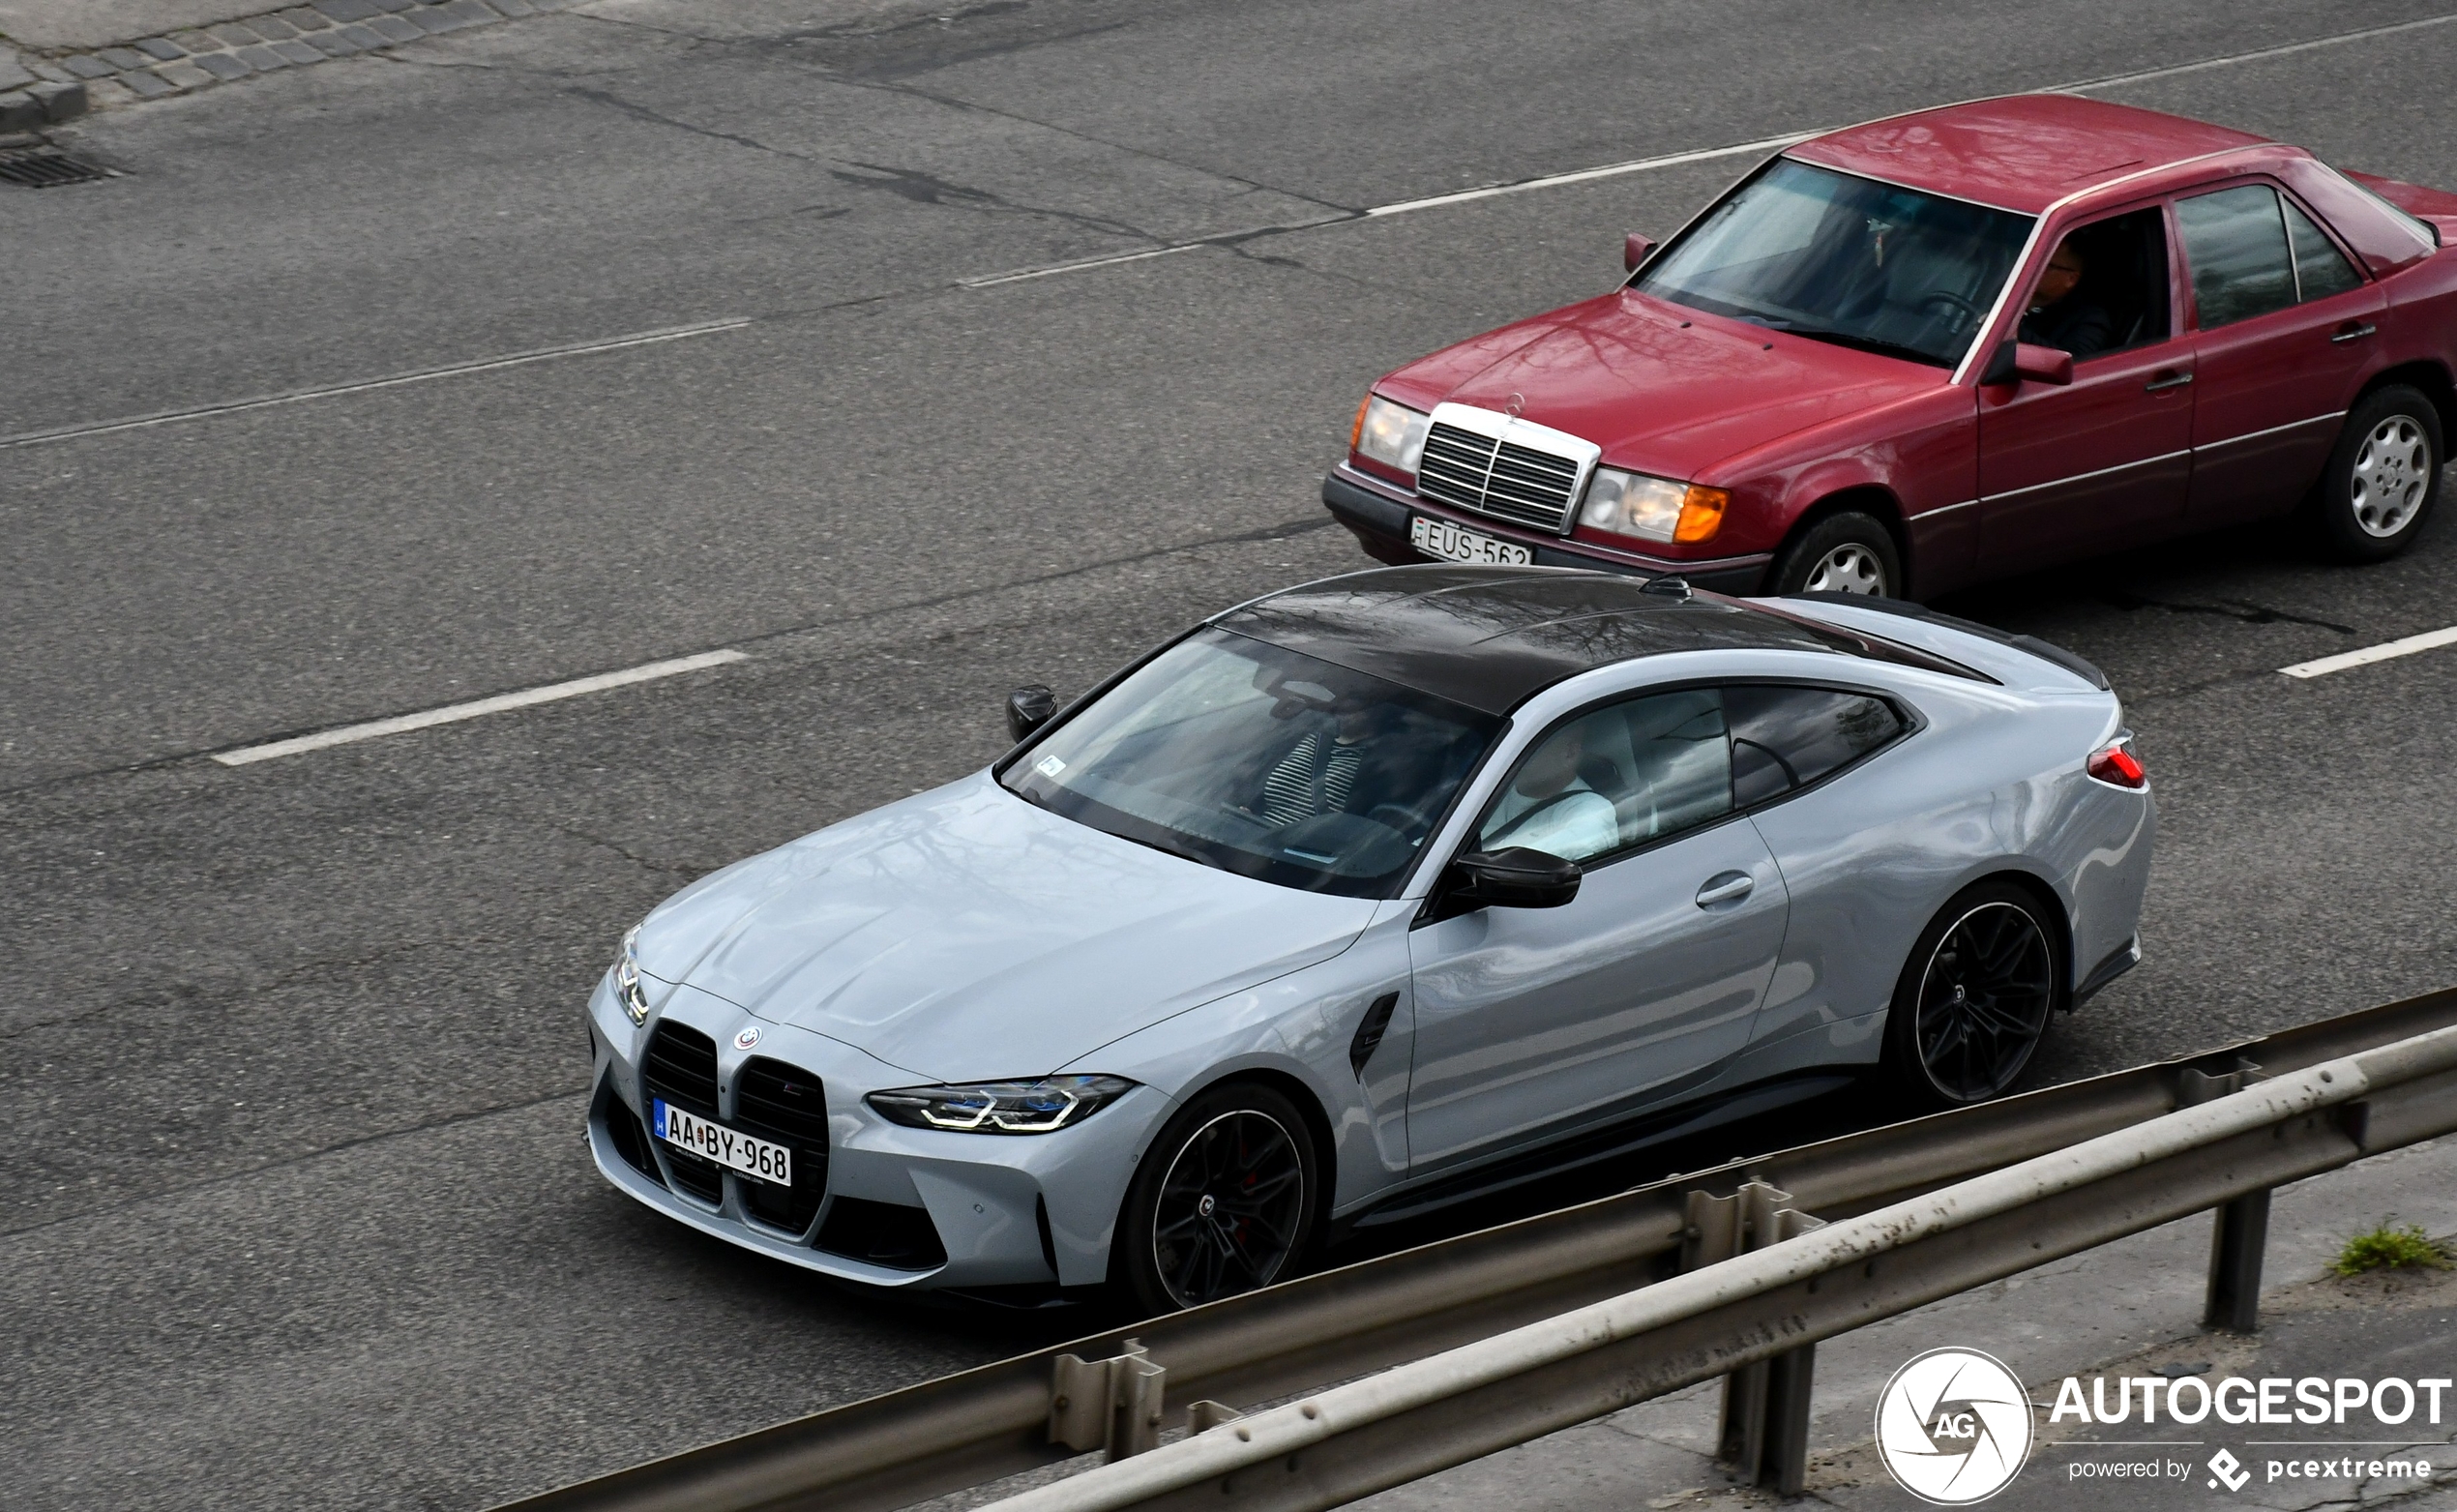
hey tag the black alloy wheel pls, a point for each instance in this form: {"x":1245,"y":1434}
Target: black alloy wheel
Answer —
{"x":1222,"y":1203}
{"x":1976,"y":997}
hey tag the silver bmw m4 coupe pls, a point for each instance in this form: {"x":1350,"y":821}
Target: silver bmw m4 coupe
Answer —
{"x":1368,"y":895}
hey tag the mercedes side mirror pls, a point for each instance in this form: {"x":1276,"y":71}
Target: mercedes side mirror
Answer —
{"x":1516,"y":877}
{"x":1634,"y":251}
{"x":2016,"y":362}
{"x":1028,"y":708}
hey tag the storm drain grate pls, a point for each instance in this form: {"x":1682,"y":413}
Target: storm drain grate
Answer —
{"x":46,"y":167}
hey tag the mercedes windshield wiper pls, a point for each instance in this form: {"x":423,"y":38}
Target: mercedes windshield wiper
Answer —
{"x":1867,"y":343}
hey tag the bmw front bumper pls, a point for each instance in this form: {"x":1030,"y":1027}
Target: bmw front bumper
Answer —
{"x":871,"y":1201}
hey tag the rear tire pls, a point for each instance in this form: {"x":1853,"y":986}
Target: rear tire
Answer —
{"x":1223,"y":1201}
{"x":2382,"y":478}
{"x":1845,"y":552}
{"x":1975,"y":998}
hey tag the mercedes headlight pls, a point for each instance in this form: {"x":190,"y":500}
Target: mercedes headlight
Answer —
{"x":1392,"y":435}
{"x":1652,"y":509}
{"x":1038,"y":1106}
{"x":627,"y":985}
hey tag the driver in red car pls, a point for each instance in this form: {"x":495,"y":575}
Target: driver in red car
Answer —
{"x":2062,"y":317}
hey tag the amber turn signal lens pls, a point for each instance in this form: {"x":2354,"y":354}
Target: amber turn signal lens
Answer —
{"x":1702,"y":513}
{"x":1356,"y":432}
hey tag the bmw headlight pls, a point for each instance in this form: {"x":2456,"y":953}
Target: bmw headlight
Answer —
{"x":1392,"y":435}
{"x":1038,"y":1106}
{"x":1652,"y":509}
{"x":627,"y":984}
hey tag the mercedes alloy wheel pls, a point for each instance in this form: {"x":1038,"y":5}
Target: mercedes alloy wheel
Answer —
{"x":2392,"y":469}
{"x":1845,"y":552}
{"x":2382,"y":477}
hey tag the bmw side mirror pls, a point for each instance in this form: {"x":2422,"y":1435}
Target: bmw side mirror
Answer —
{"x":1517,"y":878}
{"x":1028,"y":708}
{"x":1634,"y":251}
{"x":2015,"y":362}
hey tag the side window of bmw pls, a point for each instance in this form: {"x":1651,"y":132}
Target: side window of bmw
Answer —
{"x":1616,"y":776}
{"x":1784,"y":738}
{"x":2235,"y":241}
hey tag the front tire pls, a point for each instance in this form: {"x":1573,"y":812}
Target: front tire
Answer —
{"x":1975,"y":998}
{"x":1845,"y":552}
{"x":2382,"y":478}
{"x":1222,"y":1202}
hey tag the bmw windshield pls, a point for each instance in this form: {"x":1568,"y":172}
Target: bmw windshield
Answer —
{"x":1262,"y":761}
{"x":1844,"y":259}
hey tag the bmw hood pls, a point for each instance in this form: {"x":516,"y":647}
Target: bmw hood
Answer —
{"x":1661,"y":389}
{"x":965,"y":934}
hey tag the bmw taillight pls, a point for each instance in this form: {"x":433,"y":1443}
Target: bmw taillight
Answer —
{"x":2115,"y":765}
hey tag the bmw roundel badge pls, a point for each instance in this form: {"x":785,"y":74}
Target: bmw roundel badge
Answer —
{"x":747,"y":1038}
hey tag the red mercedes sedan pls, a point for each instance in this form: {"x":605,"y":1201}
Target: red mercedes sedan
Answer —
{"x":1943,"y":347}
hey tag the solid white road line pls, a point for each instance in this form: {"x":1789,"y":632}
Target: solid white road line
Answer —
{"x":1584,"y":175}
{"x":2386,"y":651}
{"x":2261,"y":54}
{"x":396,"y":381}
{"x":452,"y":713}
{"x":993,"y":279}
{"x":1675,"y":160}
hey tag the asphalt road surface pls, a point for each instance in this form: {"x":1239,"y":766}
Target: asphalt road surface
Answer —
{"x":296,"y":1212}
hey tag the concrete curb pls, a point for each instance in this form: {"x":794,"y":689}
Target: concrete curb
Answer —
{"x":40,"y":91}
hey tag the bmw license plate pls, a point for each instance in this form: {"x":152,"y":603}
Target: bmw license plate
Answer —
{"x":1440,"y":537}
{"x":731,"y":1148}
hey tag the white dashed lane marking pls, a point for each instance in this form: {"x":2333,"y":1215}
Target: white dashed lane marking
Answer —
{"x":452,"y":713}
{"x":2387,"y":650}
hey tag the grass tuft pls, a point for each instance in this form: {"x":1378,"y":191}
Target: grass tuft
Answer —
{"x":2385,"y":1248}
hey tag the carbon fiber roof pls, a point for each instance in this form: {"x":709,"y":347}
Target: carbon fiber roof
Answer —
{"x":1489,"y":636}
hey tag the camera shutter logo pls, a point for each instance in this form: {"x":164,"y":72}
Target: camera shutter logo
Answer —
{"x":1953,"y":1426}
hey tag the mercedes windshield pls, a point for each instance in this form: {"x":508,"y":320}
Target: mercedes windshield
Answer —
{"x":1844,"y":259}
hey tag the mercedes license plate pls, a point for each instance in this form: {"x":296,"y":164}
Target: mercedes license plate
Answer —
{"x":731,"y":1148}
{"x":1440,"y":537}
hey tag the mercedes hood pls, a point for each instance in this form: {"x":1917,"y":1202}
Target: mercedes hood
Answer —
{"x":1663,"y":390}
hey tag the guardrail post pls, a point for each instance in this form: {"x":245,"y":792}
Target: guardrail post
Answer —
{"x":1764,"y":1436}
{"x":1112,"y":1404}
{"x":2240,"y":1235}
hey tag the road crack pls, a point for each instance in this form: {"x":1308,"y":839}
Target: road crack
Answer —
{"x":927,"y":189}
{"x":684,"y":869}
{"x":2240,"y":609}
{"x":644,"y":114}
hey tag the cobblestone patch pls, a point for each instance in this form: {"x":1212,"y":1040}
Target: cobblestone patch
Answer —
{"x":38,"y":91}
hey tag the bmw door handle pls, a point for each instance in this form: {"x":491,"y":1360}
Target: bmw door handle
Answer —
{"x":2354,"y":332}
{"x":1727,"y":887}
{"x":2169,"y":379}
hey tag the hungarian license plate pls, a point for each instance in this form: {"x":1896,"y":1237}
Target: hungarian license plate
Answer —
{"x":1440,"y":537}
{"x":731,"y":1148}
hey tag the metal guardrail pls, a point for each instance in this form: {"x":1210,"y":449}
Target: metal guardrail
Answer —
{"x":1769,"y":1304}
{"x":1468,"y":1333}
